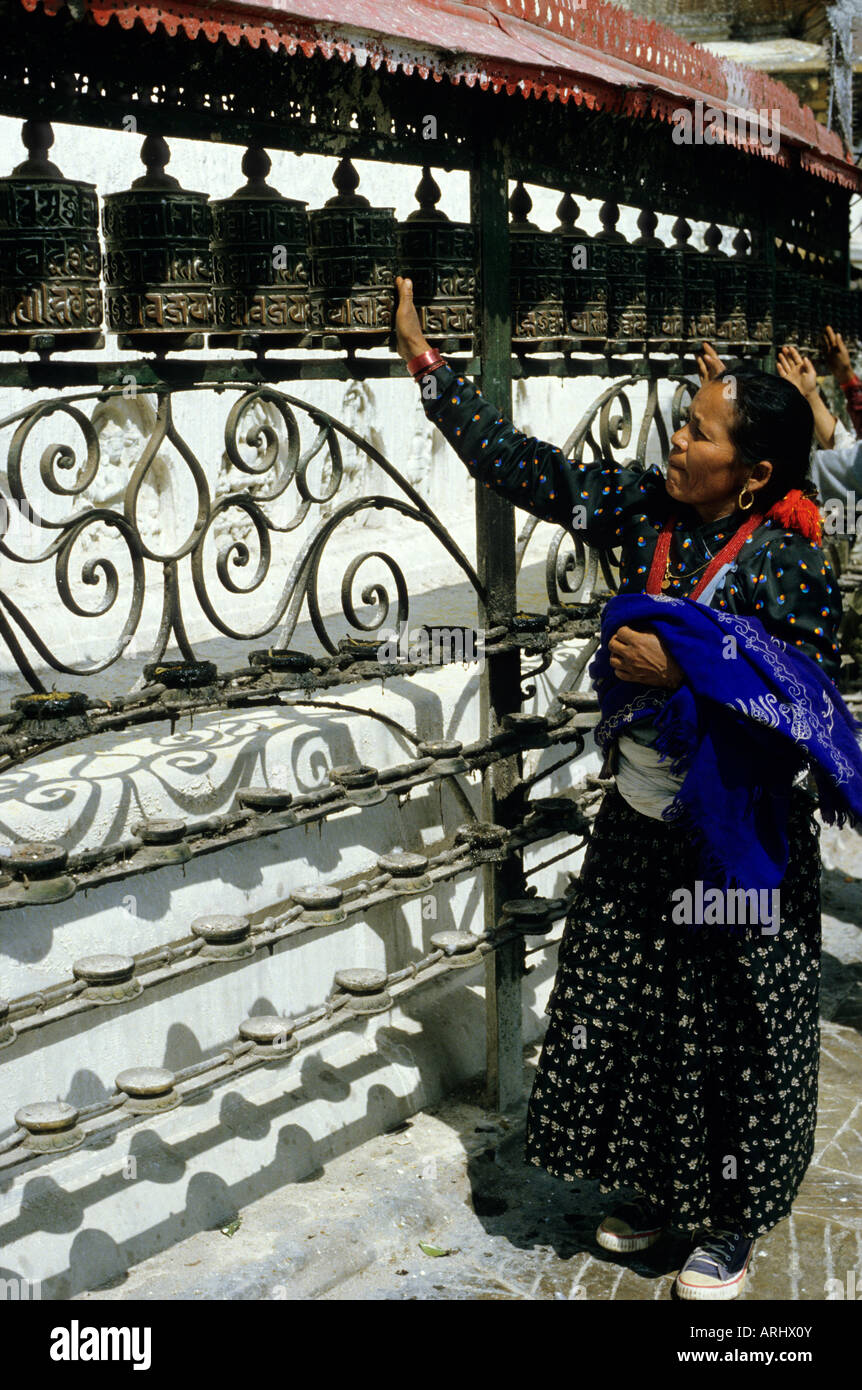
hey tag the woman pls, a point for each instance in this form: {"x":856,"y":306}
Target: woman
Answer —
{"x":680,"y":1061}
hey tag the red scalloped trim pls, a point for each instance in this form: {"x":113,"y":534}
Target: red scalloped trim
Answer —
{"x":601,"y":31}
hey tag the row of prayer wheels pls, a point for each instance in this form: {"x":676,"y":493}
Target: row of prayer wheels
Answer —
{"x":258,"y":270}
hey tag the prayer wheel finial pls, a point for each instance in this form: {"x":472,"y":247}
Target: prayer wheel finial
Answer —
{"x":346,"y":181}
{"x":37,"y":138}
{"x":568,"y":213}
{"x":155,"y":155}
{"x":256,"y":165}
{"x":520,"y":205}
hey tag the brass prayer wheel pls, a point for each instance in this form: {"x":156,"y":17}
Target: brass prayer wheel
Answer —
{"x":698,"y":287}
{"x":664,"y":281}
{"x":626,"y":275}
{"x":352,"y":247}
{"x":758,"y":294}
{"x":791,"y":298}
{"x":260,"y":262}
{"x":50,"y":262}
{"x":158,"y":267}
{"x":852,"y":314}
{"x":585,"y":285}
{"x":438,"y":255}
{"x":822,"y":302}
{"x":731,"y":290}
{"x":536,"y":276}
{"x":834,"y":306}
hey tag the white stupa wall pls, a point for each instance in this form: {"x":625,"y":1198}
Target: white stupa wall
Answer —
{"x":77,"y":1220}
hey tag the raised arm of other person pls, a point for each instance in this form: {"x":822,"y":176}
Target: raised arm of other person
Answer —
{"x":801,"y":373}
{"x":841,"y":367}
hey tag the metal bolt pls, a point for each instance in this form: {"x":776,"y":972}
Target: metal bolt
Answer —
{"x":109,"y":979}
{"x":149,"y":1090}
{"x":225,"y":937}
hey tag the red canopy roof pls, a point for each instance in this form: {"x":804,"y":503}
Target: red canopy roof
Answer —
{"x":557,"y":50}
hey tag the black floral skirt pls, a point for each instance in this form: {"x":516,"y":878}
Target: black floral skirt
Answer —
{"x":681,"y":1061}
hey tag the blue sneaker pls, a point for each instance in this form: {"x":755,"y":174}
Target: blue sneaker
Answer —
{"x":631,"y":1226}
{"x":716,"y":1269}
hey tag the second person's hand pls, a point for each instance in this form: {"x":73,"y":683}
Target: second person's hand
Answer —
{"x":797,"y":369}
{"x":837,"y":356}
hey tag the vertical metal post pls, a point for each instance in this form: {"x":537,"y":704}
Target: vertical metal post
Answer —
{"x":502,"y":797}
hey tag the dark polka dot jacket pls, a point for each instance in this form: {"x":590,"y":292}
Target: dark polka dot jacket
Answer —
{"x":778,"y":577}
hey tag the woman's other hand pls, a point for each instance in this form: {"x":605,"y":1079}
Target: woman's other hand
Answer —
{"x":709,"y":364}
{"x":641,"y":657}
{"x":798,"y":370}
{"x":837,"y":356}
{"x":410,"y":339}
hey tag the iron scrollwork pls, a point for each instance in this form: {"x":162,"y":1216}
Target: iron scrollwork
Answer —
{"x":571,"y":572}
{"x":263,"y":442}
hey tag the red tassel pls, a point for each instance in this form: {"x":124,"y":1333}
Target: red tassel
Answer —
{"x":796,"y":512}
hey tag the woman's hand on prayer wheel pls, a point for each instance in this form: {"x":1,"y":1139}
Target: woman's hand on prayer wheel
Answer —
{"x":709,"y":364}
{"x":410,"y":339}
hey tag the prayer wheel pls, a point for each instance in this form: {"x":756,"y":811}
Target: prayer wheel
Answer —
{"x":664,"y":280}
{"x":853,"y":314}
{"x":758,"y":294}
{"x":626,"y":277}
{"x":791,"y":306}
{"x":731,"y":290}
{"x":260,"y":263}
{"x":698,"y":287}
{"x":353,"y":250}
{"x":50,"y":262}
{"x":438,"y":255}
{"x":822,"y":302}
{"x":831,"y":301}
{"x":585,"y":285}
{"x":158,"y":266}
{"x":536,"y":278}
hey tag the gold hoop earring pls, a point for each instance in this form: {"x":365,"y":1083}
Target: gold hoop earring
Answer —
{"x":745,"y":506}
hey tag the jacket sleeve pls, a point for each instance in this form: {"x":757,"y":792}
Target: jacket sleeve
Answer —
{"x":591,"y":499}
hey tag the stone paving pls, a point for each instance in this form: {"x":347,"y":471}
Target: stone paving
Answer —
{"x":455,"y":1179}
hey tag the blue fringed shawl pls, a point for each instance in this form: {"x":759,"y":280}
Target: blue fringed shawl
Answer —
{"x":751,"y":713}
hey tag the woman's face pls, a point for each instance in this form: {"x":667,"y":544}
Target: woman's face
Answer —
{"x":702,"y":468}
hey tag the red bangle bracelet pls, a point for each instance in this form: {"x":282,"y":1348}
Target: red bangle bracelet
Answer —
{"x":417,"y":365}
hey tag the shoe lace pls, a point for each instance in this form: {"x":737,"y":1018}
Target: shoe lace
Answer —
{"x":719,"y":1246}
